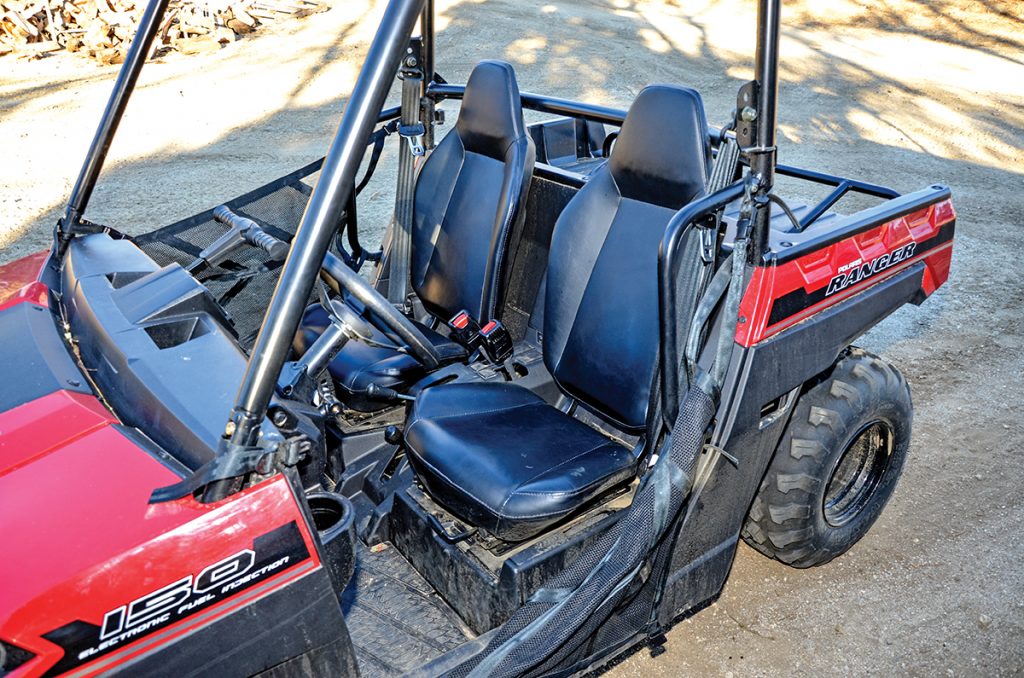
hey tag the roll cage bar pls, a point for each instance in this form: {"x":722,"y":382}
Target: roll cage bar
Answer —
{"x":388,"y":53}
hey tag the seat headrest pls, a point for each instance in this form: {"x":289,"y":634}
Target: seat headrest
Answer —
{"x":663,"y":154}
{"x":491,"y":117}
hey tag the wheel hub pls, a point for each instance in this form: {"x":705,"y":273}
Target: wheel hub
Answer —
{"x":857,"y":474}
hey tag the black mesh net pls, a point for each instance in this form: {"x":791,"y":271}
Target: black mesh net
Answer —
{"x":244,"y":285}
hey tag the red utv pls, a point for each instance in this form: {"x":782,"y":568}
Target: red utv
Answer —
{"x":592,"y":354}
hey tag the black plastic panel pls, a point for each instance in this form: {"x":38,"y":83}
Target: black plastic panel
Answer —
{"x":483,"y":586}
{"x":705,"y":543}
{"x":34,"y":361}
{"x":158,"y":346}
{"x":303,"y":620}
{"x":547,"y":198}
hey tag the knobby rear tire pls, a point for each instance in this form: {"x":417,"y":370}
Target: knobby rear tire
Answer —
{"x":816,"y":501}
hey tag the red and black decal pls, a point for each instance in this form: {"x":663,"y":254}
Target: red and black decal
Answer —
{"x":782,"y":294}
{"x":271,"y":554}
{"x":855,"y":271}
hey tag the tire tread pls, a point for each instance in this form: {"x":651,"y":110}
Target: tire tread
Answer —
{"x":779,"y":522}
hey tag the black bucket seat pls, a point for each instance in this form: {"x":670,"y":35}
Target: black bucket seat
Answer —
{"x":499,"y":457}
{"x":470,"y":197}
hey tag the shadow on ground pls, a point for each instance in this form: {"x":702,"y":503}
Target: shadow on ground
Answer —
{"x":843,"y":108}
{"x":892,"y":92}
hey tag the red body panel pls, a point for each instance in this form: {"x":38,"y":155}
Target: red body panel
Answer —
{"x":81,"y":541}
{"x":18,"y":281}
{"x":45,"y":423}
{"x":808,"y":277}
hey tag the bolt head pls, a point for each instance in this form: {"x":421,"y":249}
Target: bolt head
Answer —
{"x":229,"y":429}
{"x":748,"y":114}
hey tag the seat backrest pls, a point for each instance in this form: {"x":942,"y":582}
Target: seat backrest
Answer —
{"x":470,"y":197}
{"x":601,"y":330}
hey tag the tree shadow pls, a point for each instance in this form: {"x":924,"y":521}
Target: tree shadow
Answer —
{"x":994,"y":27}
{"x":606,"y":50}
{"x":17,"y":95}
{"x":847,"y":106}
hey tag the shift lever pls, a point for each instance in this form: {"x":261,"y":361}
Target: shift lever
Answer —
{"x":378,"y":392}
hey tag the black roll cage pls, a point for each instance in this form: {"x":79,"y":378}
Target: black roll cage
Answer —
{"x":388,"y":52}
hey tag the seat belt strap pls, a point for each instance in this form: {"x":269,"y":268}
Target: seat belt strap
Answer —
{"x":377,"y":140}
{"x":401,"y":227}
{"x":724,"y":168}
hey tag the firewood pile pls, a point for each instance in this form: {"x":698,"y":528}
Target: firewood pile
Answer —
{"x":103,"y":29}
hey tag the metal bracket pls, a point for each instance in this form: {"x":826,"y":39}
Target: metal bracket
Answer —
{"x":236,"y":461}
{"x":746,"y":114}
{"x":232,"y":461}
{"x":292,"y":450}
{"x":413,"y":59}
{"x":451,"y":530}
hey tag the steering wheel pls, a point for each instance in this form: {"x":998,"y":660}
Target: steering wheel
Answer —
{"x":381,"y":312}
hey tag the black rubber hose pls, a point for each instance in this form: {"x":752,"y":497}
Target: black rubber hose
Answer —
{"x":785,"y":208}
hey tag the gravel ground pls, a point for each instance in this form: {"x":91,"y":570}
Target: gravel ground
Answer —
{"x":891,"y":91}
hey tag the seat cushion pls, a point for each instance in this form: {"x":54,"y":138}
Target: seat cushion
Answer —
{"x":359,"y":364}
{"x":602,"y":325}
{"x":470,"y":200}
{"x":499,"y":457}
{"x":469,"y":204}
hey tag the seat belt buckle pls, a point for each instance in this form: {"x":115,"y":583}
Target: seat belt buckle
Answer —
{"x":496,"y":341}
{"x":707,"y":244}
{"x":464,"y":329}
{"x":414,"y":135}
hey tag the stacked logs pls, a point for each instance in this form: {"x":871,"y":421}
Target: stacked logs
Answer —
{"x":103,"y":29}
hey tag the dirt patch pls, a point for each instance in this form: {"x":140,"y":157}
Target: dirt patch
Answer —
{"x":895,"y":92}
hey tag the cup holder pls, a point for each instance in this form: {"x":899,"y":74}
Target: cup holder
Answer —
{"x":330,"y":511}
{"x":334,"y":519}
